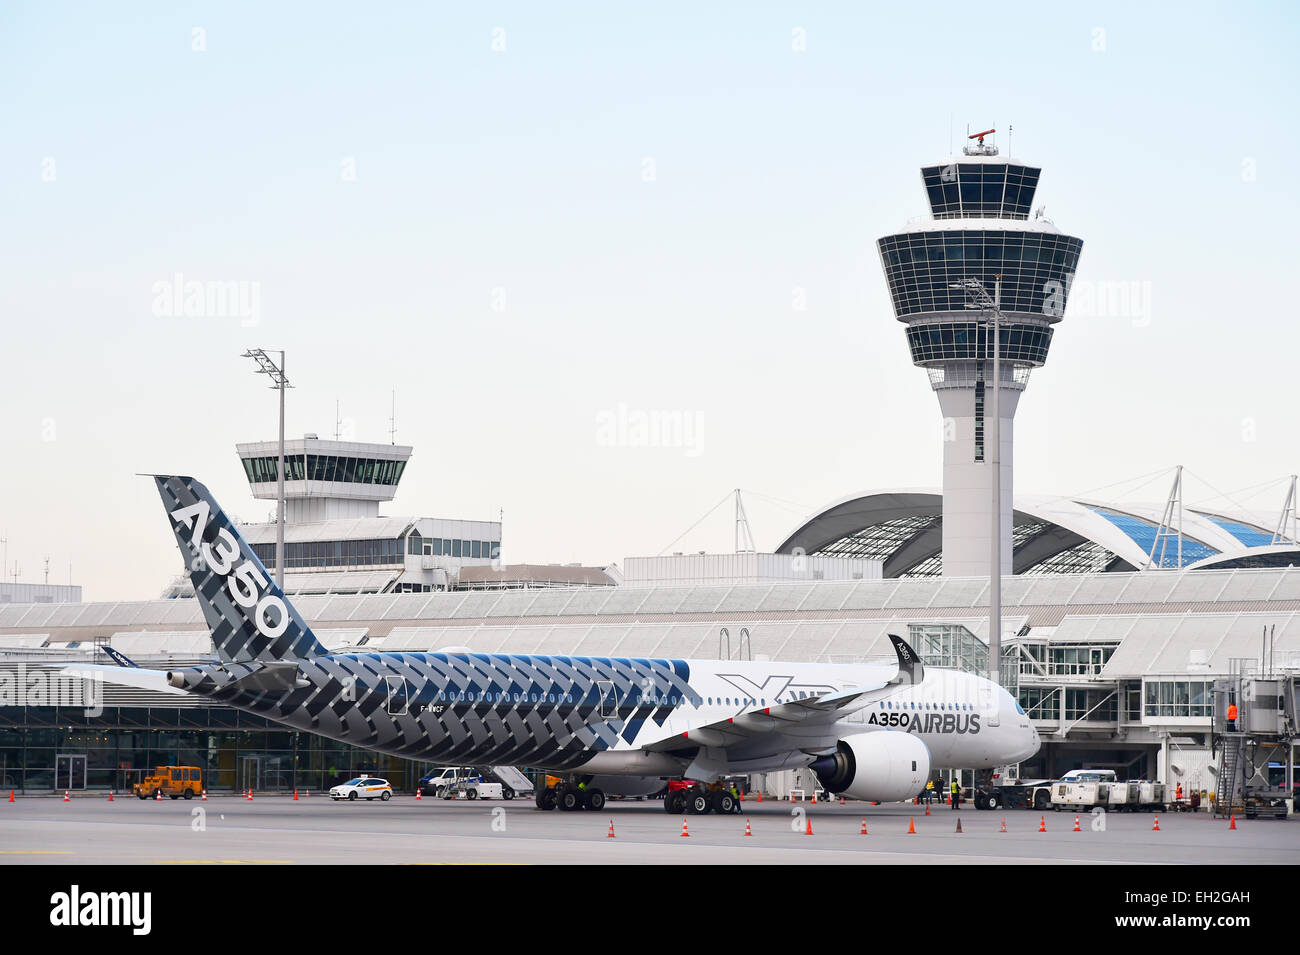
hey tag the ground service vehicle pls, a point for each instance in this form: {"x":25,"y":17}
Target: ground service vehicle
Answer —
{"x":175,"y":782}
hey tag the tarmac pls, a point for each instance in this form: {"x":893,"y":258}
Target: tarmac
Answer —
{"x":275,"y":829}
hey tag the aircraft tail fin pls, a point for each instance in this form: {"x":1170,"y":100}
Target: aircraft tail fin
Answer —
{"x":250,"y":618}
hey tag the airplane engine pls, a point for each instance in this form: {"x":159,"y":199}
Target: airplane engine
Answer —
{"x":880,"y":767}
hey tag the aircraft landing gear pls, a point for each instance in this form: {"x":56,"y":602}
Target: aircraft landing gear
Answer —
{"x":689,"y":797}
{"x":568,"y":796}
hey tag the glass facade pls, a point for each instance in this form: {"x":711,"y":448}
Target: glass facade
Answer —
{"x":354,"y":553}
{"x":987,"y":190}
{"x":920,"y":266}
{"x":445,"y":547}
{"x":49,"y":748}
{"x":1178,"y":698}
{"x":324,"y":467}
{"x":944,"y":341}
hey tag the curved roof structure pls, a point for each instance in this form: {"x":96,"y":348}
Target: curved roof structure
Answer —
{"x":1052,"y":535}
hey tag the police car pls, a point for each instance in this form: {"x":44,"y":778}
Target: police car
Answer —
{"x":363,"y":787}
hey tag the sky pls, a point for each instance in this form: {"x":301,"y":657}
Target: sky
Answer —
{"x":546,"y":230}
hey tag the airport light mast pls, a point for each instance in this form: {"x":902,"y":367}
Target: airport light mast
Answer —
{"x":268,"y":367}
{"x":978,"y":297}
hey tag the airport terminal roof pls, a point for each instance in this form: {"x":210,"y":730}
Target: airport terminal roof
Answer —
{"x":1052,"y":535}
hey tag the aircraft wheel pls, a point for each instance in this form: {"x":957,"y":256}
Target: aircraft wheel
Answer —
{"x":595,"y":799}
{"x":568,"y":799}
{"x":697,"y":804}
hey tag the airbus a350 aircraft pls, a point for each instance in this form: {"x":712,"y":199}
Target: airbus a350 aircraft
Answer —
{"x":601,"y":724}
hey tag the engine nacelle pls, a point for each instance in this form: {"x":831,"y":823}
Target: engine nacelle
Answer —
{"x":886,"y":766}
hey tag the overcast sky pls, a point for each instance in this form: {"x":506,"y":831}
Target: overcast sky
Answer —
{"x":544,"y":225}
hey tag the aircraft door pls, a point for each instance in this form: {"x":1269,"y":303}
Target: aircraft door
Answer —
{"x":396,"y":704}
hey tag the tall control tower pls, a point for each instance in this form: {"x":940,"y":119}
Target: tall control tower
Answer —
{"x":979,"y":228}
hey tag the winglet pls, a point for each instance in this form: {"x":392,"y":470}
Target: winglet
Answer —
{"x":910,"y":667}
{"x":120,"y":658}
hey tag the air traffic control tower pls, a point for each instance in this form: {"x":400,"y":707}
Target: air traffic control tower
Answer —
{"x":980,"y":227}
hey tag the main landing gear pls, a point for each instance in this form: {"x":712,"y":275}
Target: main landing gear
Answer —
{"x":688,"y":797}
{"x":569,"y":795}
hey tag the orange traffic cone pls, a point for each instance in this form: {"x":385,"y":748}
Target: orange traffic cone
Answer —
{"x":814,"y":799}
{"x":760,"y":795}
{"x":418,"y":797}
{"x":864,"y":826}
{"x":841,"y":800}
{"x":611,"y":829}
{"x":1004,"y":824}
{"x":249,"y":796}
{"x":911,"y":826}
{"x":204,"y":797}
{"x":110,"y":795}
{"x":67,"y":796}
{"x":295,"y":795}
{"x":808,"y":831}
{"x":1076,"y":824}
{"x":685,"y":833}
{"x":158,"y":796}
{"x":1156,"y":827}
{"x":11,"y":795}
{"x":927,"y":809}
{"x":1042,"y":823}
{"x":1232,"y":824}
{"x":748,"y":831}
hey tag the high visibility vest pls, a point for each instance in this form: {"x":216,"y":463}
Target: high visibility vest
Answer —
{"x":1232,"y":711}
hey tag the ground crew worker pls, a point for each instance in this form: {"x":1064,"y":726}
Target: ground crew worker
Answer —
{"x":735,"y":797}
{"x":929,"y":791}
{"x":1178,"y":794}
{"x":956,"y":792}
{"x":1232,"y":717}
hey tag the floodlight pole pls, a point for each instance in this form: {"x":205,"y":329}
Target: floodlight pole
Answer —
{"x":281,"y":383}
{"x":978,"y":297}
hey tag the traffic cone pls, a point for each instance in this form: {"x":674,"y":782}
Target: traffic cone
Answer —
{"x":1004,"y":824}
{"x":748,"y":832}
{"x":814,"y":799}
{"x":864,"y":826}
{"x":248,"y":797}
{"x":158,"y":796}
{"x":611,"y":829}
{"x":1042,"y":823}
{"x":11,"y":795}
{"x":927,"y":809}
{"x":67,"y":796}
{"x":911,"y":826}
{"x":204,"y":797}
{"x":685,"y":834}
{"x":808,"y":831}
{"x":418,"y":797}
{"x":1232,"y":824}
{"x":841,"y":800}
{"x":1076,"y":824}
{"x":295,"y":795}
{"x":110,"y":795}
{"x":760,"y":795}
{"x":1156,"y":827}
{"x":959,"y":825}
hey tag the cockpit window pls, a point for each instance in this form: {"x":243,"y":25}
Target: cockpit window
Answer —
{"x":1020,"y":709}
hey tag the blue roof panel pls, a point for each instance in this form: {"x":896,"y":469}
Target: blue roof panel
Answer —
{"x":1143,"y":533}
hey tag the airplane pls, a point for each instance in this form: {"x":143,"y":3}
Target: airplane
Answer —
{"x":598,"y":725}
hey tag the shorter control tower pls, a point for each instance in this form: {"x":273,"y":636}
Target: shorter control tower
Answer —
{"x":325,"y":480}
{"x":980,"y":233}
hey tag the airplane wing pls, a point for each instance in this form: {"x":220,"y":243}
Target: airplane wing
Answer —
{"x":823,"y":707}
